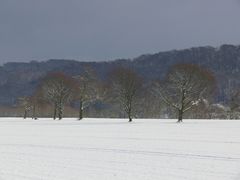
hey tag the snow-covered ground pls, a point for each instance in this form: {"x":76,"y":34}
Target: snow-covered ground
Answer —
{"x":113,"y":149}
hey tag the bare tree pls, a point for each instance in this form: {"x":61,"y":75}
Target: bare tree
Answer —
{"x":217,"y":111}
{"x":87,"y":89}
{"x":37,"y":101}
{"x":58,"y":89}
{"x":234,"y":104}
{"x":25,"y":102}
{"x":30,"y":103}
{"x":126,"y":85}
{"x":184,"y":87}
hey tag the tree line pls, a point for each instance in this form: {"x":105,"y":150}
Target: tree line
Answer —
{"x":187,"y":89}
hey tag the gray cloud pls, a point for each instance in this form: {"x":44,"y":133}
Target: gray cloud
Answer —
{"x":109,"y":29}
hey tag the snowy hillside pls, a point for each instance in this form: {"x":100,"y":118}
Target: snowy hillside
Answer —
{"x":112,"y":149}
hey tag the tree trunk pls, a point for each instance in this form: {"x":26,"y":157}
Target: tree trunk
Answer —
{"x":180,"y":111}
{"x":34,"y":112}
{"x":55,"y":112}
{"x":130,"y":114}
{"x":130,"y":119}
{"x":180,"y":115}
{"x":60,"y":111}
{"x":25,"y":114}
{"x":80,"y":110}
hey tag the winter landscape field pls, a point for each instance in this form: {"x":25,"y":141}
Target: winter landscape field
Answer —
{"x":113,"y":149}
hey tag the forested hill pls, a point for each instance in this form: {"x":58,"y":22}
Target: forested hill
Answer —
{"x":20,"y":79}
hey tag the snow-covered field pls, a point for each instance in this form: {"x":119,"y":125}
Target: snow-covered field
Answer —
{"x":113,"y":149}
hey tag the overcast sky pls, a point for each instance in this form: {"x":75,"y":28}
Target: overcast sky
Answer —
{"x":110,"y":29}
